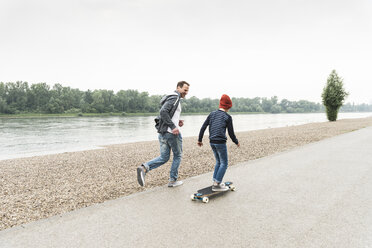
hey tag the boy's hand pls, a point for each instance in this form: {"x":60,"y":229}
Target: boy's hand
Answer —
{"x":180,"y":123}
{"x":238,"y":145}
{"x":200,"y":143}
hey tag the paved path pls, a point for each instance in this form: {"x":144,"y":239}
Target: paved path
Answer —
{"x":318,"y":195}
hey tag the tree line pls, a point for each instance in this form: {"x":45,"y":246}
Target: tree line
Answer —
{"x":20,"y":97}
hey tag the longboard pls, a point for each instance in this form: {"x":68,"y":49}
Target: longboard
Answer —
{"x":204,"y":194}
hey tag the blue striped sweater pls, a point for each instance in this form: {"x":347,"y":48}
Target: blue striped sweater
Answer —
{"x":218,"y":121}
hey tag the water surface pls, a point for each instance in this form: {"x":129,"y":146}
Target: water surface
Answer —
{"x":23,"y":137}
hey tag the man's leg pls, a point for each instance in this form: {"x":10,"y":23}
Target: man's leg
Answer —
{"x":156,"y":162}
{"x":164,"y":154}
{"x":175,"y":142}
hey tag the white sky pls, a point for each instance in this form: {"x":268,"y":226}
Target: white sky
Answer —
{"x":243,"y":48}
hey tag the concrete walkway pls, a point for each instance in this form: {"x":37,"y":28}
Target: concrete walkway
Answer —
{"x":318,"y":195}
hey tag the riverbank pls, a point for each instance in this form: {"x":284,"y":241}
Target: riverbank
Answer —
{"x":40,"y":187}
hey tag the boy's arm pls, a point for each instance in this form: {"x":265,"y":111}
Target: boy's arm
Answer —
{"x":202,"y":129}
{"x":231,"y":132}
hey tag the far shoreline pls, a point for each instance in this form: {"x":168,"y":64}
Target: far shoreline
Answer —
{"x":76,"y":115}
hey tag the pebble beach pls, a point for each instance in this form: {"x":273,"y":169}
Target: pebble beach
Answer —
{"x":44,"y":186}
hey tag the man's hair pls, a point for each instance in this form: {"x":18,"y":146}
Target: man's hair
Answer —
{"x":182,"y":83}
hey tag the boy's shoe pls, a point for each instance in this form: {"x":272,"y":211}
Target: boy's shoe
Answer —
{"x":220,"y":187}
{"x":174,"y":183}
{"x":141,"y":172}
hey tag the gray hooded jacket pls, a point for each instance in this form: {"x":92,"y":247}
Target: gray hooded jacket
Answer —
{"x":169,"y":104}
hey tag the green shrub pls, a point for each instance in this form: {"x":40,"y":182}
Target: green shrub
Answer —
{"x":333,"y":95}
{"x":73,"y":111}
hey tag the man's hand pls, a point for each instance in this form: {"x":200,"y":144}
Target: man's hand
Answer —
{"x":176,"y":131}
{"x":200,"y":143}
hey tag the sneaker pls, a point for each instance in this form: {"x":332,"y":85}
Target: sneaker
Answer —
{"x":220,"y":187}
{"x":141,"y":175}
{"x":174,"y":183}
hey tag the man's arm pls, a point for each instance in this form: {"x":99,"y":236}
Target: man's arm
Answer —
{"x":165,"y":112}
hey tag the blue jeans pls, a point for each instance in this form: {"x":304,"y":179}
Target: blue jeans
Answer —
{"x":168,"y":142}
{"x":220,"y":153}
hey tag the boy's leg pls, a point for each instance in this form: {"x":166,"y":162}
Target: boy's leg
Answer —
{"x":217,"y":165}
{"x":221,"y":150}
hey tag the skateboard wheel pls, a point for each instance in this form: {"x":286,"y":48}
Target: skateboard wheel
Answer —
{"x":205,"y":199}
{"x":193,"y":197}
{"x":232,"y":188}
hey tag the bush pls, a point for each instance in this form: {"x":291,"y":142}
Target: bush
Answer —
{"x":331,"y":114}
{"x":333,"y":95}
{"x":73,"y":111}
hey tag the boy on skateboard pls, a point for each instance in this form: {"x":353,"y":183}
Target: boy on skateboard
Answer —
{"x":218,"y":121}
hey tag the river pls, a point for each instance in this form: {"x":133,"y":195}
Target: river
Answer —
{"x":25,"y":137}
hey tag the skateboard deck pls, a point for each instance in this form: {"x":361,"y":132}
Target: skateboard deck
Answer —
{"x":204,"y":194}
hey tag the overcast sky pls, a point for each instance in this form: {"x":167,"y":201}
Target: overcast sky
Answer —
{"x":243,"y":48}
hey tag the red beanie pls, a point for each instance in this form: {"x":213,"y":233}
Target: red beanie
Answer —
{"x":225,"y":102}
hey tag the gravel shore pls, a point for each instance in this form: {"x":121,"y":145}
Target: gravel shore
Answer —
{"x":40,"y":187}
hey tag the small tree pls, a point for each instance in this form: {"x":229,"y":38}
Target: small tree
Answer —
{"x":333,"y":95}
